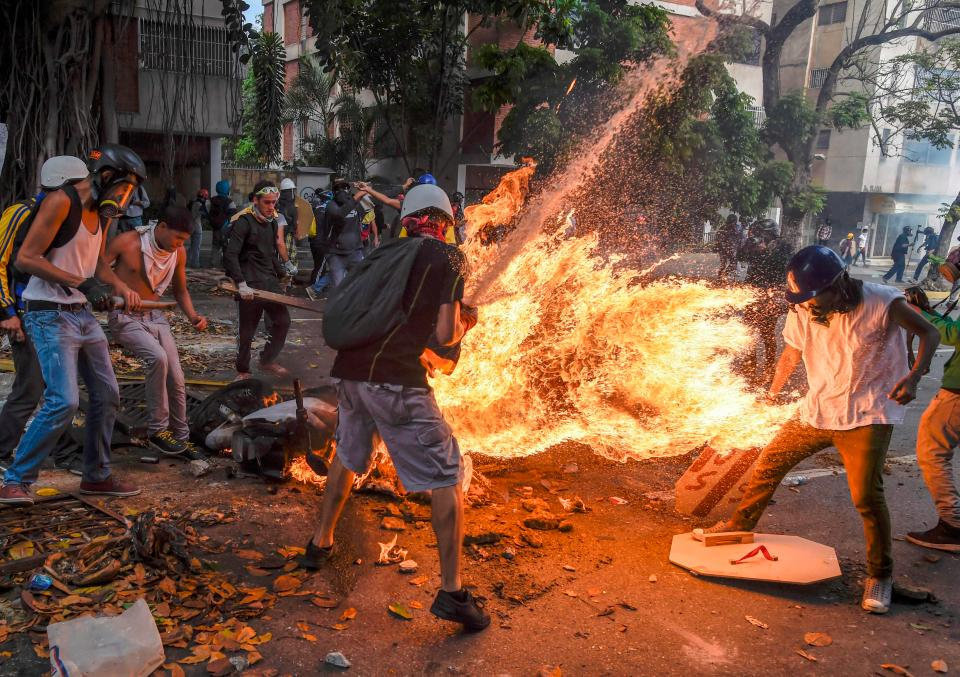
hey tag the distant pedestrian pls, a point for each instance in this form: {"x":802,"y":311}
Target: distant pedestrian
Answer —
{"x":901,"y":247}
{"x":929,"y":246}
{"x":222,"y":207}
{"x":200,"y":211}
{"x":862,"y":240}
{"x":343,"y":222}
{"x":824,"y":233}
{"x":847,"y":249}
{"x":729,"y":239}
{"x":134,"y":217}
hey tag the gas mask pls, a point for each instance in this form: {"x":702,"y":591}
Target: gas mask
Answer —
{"x":113,"y":196}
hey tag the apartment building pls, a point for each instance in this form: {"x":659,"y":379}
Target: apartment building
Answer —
{"x":866,"y":187}
{"x":177,"y":89}
{"x":472,"y":164}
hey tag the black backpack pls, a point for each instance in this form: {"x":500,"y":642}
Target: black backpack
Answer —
{"x":368,"y":304}
{"x":68,"y":229}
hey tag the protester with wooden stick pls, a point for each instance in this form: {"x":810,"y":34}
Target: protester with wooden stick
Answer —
{"x":252,"y":260}
{"x":149,"y":260}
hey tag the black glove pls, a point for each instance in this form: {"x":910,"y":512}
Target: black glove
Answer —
{"x":99,"y":295}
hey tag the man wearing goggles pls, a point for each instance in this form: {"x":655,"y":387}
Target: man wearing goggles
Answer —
{"x":252,"y":261}
{"x":63,"y":253}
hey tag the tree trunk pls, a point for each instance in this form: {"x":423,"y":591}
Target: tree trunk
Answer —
{"x":111,"y":127}
{"x":934,"y":281}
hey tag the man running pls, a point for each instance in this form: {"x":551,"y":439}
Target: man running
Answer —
{"x":383,"y":389}
{"x":850,"y":336}
{"x":148,"y":262}
{"x":63,"y":252}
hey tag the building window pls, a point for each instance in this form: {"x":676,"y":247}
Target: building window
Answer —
{"x":885,"y":135}
{"x":818,"y":76}
{"x":759,"y":115}
{"x":832,"y":14}
{"x":942,"y":19}
{"x":185,"y":48}
{"x":923,"y":152}
{"x":823,"y":139}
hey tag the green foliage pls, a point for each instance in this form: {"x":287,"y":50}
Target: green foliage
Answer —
{"x":267,"y":112}
{"x":705,"y":132}
{"x":608,"y":37}
{"x":411,"y":57}
{"x":808,"y":200}
{"x":791,"y":124}
{"x":851,"y":112}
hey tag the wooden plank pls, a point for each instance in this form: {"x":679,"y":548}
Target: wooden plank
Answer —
{"x":305,"y":304}
{"x":727,"y":538}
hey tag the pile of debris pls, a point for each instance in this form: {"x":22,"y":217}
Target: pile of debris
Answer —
{"x":161,"y":558}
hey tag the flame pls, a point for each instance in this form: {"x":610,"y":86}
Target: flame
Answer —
{"x":272,"y":399}
{"x":301,"y":472}
{"x":575,"y":347}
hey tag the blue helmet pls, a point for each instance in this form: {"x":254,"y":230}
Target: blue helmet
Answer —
{"x":426,"y":179}
{"x":223,"y":188}
{"x":811,"y":271}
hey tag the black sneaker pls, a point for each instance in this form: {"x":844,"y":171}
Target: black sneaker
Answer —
{"x":466,"y":611}
{"x":167,"y":443}
{"x":941,"y":537}
{"x":315,"y":557}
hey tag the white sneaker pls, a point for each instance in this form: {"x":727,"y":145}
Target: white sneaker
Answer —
{"x":877,"y":594}
{"x":719,"y":528}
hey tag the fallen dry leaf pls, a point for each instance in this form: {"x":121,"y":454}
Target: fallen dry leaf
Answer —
{"x":168,"y":586}
{"x":400,"y":610}
{"x":21,"y":550}
{"x":253,"y":657}
{"x":818,"y":639}
{"x":286,"y":583}
{"x":419,"y":580}
{"x":220,"y":667}
{"x":416,"y":605}
{"x":249,"y":554}
{"x":288,"y":551}
{"x":757,"y":622}
{"x":175,"y":670}
{"x":939,"y":665}
{"x":256,"y":571}
{"x":570,"y":593}
{"x":809,"y":656}
{"x":896,"y":669}
{"x":339,"y":626}
{"x":47,"y":491}
{"x":303,"y":626}
{"x":325,"y":602}
{"x":307,"y":636}
{"x":348,"y":614}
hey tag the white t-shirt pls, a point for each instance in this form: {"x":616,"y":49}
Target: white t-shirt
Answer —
{"x":851,"y":364}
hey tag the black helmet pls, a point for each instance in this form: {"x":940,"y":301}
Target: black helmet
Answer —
{"x":929,"y":230}
{"x":907,"y":230}
{"x":811,"y":271}
{"x":766,"y":227}
{"x":116,"y":157}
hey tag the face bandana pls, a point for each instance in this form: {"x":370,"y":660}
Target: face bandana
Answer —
{"x":424,"y":226}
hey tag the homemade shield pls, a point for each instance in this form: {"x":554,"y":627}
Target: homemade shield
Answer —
{"x":770,"y":557}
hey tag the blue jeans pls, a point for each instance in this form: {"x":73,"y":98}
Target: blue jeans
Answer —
{"x":193,"y":251}
{"x":341,"y":264}
{"x":921,"y":266}
{"x":69,"y":344}
{"x":898,"y":268}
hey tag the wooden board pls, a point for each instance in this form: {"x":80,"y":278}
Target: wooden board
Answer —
{"x":799,"y":561}
{"x":727,"y":538}
{"x":713,"y":484}
{"x":305,"y":304}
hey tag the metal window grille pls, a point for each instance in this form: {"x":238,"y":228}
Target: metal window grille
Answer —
{"x":185,"y":48}
{"x":823,"y":139}
{"x":832,"y":14}
{"x":818,"y":76}
{"x":942,"y":19}
{"x":759,"y":115}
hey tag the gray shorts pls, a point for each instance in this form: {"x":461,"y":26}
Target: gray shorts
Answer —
{"x":420,"y":443}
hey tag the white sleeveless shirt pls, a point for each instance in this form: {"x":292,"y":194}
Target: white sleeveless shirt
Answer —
{"x":77,"y":257}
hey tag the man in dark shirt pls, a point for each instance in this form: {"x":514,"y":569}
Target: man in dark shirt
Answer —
{"x":901,"y":247}
{"x":343,"y":216}
{"x":383,"y":389}
{"x":766,"y":255}
{"x":253,"y":262}
{"x":930,"y":243}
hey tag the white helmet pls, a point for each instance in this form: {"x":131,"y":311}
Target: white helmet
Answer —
{"x":425,"y":196}
{"x":60,"y":169}
{"x":288,"y":184}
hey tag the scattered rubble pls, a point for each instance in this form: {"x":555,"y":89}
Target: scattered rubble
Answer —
{"x":337,"y":659}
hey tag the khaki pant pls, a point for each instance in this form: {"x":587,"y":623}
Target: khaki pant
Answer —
{"x":937,"y":437}
{"x":863,"y":451}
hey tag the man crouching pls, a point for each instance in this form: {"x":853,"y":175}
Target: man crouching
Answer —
{"x":149,"y":260}
{"x":383,"y":389}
